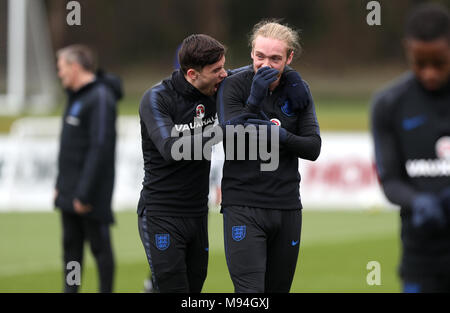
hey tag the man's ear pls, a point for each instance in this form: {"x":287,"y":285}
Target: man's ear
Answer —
{"x":290,"y":57}
{"x":192,"y":74}
{"x":77,"y":68}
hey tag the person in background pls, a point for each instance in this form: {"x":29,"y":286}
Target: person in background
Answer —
{"x":410,"y":125}
{"x":86,"y":161}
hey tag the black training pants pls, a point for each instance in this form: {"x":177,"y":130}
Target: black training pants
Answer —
{"x":261,"y":248}
{"x":177,"y":251}
{"x":76,"y":230}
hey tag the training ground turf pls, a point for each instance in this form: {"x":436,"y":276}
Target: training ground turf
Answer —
{"x":334,"y":252}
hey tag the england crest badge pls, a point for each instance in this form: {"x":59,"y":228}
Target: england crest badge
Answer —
{"x":238,"y":232}
{"x":162,"y":241}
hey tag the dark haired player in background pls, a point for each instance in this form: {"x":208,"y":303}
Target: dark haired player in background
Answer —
{"x":411,"y":130}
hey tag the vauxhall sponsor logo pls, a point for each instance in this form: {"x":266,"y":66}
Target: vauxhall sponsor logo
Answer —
{"x":432,"y":167}
{"x":195,"y":124}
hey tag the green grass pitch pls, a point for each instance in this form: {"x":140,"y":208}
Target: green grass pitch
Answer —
{"x":335,"y":249}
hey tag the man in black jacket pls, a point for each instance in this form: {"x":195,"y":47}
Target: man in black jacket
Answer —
{"x":410,"y":123}
{"x":262,"y":208}
{"x":173,"y":205}
{"x":86,"y":159}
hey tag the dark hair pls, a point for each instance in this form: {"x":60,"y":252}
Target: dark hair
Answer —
{"x":80,"y":54}
{"x":199,"y":50}
{"x":428,"y":22}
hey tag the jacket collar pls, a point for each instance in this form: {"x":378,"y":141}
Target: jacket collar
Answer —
{"x":182,"y":86}
{"x":73,"y":94}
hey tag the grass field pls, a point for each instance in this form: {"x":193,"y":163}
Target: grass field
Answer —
{"x":335,"y":249}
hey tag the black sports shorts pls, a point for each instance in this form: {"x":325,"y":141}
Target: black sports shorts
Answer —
{"x":177,"y":251}
{"x":261,"y":247}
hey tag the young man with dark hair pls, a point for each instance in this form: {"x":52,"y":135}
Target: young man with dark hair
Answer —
{"x":410,"y":123}
{"x":262,"y":209}
{"x":173,"y":205}
{"x":86,"y":160}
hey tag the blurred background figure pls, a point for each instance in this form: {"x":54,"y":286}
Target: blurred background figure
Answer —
{"x":411,"y":131}
{"x":86,"y":161}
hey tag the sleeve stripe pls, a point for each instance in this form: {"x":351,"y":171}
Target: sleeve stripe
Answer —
{"x":221,"y":104}
{"x":378,"y":153}
{"x":156,"y":114}
{"x":315,"y":119}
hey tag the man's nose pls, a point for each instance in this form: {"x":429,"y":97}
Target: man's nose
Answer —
{"x":223,"y":74}
{"x":266,"y":63}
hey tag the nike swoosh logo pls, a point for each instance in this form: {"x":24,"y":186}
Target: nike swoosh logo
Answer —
{"x":294,"y":243}
{"x":413,"y":122}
